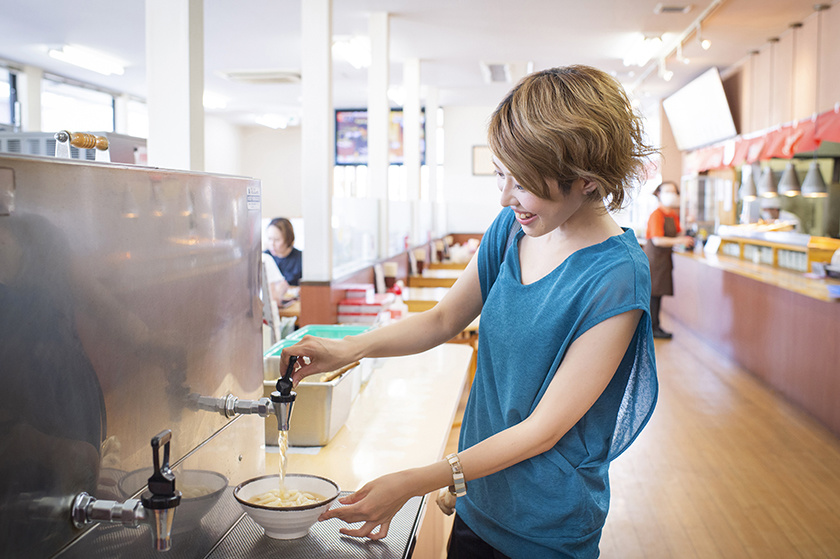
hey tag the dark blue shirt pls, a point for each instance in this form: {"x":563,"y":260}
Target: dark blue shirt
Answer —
{"x":291,"y":266}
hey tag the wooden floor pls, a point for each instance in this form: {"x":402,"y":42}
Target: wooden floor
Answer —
{"x":725,"y":469}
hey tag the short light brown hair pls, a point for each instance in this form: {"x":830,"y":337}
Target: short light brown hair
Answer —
{"x":568,"y":123}
{"x":286,"y":229}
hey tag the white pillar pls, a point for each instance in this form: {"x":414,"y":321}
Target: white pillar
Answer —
{"x":29,"y":96}
{"x":435,"y":189}
{"x":378,"y":111}
{"x":175,"y":80}
{"x":317,"y":137}
{"x":411,"y":140}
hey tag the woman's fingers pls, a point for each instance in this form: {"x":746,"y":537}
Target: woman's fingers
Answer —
{"x":446,"y":501}
{"x":366,"y":531}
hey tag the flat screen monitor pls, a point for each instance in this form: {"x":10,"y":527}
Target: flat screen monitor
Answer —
{"x":351,"y":146}
{"x":699,"y":113}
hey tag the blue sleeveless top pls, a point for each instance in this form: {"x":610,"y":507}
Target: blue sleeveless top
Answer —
{"x":554,"y":504}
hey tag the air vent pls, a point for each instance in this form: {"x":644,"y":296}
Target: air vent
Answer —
{"x":671,"y":9}
{"x":13,"y":146}
{"x":495,"y":73}
{"x":262,"y":76}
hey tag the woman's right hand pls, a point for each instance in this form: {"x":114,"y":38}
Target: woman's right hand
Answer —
{"x":316,"y":355}
{"x":446,"y":501}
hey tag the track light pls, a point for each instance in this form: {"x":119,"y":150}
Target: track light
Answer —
{"x":704,"y":43}
{"x":680,"y":56}
{"x":664,"y":72}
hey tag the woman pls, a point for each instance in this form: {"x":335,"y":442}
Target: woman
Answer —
{"x":556,"y":275}
{"x":663,"y":233}
{"x":280,"y":237}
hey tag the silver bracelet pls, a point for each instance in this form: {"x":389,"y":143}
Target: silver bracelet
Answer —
{"x":457,"y":475}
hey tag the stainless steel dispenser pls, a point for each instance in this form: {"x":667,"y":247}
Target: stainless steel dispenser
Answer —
{"x":123,"y":290}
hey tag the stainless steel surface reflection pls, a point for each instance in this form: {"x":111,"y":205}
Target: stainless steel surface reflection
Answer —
{"x":122,"y":290}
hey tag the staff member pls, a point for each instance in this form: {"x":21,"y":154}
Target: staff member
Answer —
{"x":663,"y":234}
{"x":565,"y":375}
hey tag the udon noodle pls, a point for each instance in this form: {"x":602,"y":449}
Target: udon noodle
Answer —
{"x":278,"y":498}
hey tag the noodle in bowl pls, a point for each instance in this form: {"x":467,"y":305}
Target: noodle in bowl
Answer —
{"x":286,"y":522}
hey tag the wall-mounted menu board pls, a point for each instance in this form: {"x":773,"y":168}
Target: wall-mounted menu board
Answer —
{"x":351,"y":143}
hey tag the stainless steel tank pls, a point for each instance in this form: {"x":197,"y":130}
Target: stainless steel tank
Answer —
{"x":123,"y":290}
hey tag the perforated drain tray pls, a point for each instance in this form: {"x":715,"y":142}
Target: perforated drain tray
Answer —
{"x":247,"y":539}
{"x":227,"y":532}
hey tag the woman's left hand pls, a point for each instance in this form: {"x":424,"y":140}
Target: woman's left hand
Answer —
{"x":375,"y":504}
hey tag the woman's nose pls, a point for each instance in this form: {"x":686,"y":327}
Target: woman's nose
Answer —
{"x":506,"y":194}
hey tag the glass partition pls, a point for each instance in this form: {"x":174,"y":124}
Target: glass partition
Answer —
{"x":355,"y":222}
{"x":399,"y":226}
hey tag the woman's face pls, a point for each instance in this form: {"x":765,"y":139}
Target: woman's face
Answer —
{"x":536,"y":215}
{"x":276,"y":242}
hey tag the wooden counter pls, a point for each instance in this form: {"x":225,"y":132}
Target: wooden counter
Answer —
{"x":778,"y":325}
{"x":784,"y":279}
{"x":401,"y":419}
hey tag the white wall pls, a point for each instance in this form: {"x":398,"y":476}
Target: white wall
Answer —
{"x":274,"y":156}
{"x":222,"y":147}
{"x":472,"y":201}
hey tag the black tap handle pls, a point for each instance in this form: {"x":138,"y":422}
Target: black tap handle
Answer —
{"x":284,"y":383}
{"x":162,"y":493}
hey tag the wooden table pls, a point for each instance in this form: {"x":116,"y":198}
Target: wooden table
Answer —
{"x":448,"y":265}
{"x":435,"y":278}
{"x":291,"y":310}
{"x":401,"y":419}
{"x":421,"y":299}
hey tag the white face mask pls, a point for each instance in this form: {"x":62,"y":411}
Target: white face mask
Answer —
{"x":670,"y":199}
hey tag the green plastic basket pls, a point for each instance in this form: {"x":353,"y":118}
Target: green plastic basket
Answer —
{"x":333,"y":331}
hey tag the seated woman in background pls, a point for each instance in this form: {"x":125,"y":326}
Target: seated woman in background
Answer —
{"x":280,"y":238}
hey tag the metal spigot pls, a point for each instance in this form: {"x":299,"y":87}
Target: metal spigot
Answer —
{"x":157,"y":505}
{"x":283,"y":398}
{"x":279,"y":404}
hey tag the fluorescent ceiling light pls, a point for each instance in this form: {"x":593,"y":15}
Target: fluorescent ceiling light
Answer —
{"x":355,"y":50}
{"x":274,"y":121}
{"x":396,"y":93}
{"x":642,"y":50}
{"x":88,"y":59}
{"x":214,"y":100}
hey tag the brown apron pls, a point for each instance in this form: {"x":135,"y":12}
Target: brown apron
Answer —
{"x":661,"y":282}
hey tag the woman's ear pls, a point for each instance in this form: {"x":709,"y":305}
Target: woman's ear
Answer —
{"x":589,"y":187}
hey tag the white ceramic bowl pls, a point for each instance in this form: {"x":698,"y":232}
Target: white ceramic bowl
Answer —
{"x":206,"y":484}
{"x":286,"y":523}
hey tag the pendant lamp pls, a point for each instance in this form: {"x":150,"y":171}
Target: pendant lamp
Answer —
{"x":789,"y":183}
{"x":767,"y":184}
{"x":747,"y":191}
{"x":814,"y":186}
